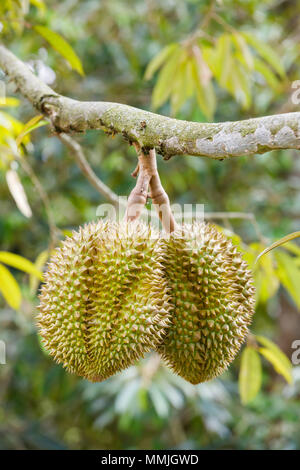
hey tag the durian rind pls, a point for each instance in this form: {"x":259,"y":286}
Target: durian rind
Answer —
{"x":212,"y":301}
{"x":105,"y":301}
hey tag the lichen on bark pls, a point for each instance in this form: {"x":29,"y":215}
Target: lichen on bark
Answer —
{"x":168,"y":136}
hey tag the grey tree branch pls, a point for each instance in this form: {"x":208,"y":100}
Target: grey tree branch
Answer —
{"x":168,"y":136}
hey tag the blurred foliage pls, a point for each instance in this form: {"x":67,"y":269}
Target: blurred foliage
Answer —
{"x":196,"y":60}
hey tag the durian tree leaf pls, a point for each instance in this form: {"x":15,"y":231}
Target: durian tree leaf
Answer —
{"x":172,"y":394}
{"x":205,"y":93}
{"x":11,"y":124}
{"x":265,"y":275}
{"x":39,"y":4}
{"x":127,"y":396}
{"x":289,"y":274}
{"x":266,"y":52}
{"x":179,"y":91}
{"x":61,"y":46}
{"x":241,"y":85}
{"x":267,"y":73}
{"x":9,"y":288}
{"x":39,"y":264}
{"x":34,"y":123}
{"x":18,"y":192}
{"x":189,"y":83}
{"x":241,"y":45}
{"x":293,"y":248}
{"x":280,"y":242}
{"x":9,"y":102}
{"x":18,"y":262}
{"x":164,"y":85}
{"x":210,"y":56}
{"x":159,"y":59}
{"x":250,"y":376}
{"x":67,"y":233}
{"x":266,"y":280}
{"x":204,"y":71}
{"x":277,"y":363}
{"x":223,"y":59}
{"x":270,"y":345}
{"x":230,"y":72}
{"x":160,"y":403}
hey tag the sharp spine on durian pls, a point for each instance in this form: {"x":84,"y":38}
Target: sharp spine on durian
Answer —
{"x":212,"y":298}
{"x":103,"y":287}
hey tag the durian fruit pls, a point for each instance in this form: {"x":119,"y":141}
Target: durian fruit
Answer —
{"x":105,"y":301}
{"x":212,"y":299}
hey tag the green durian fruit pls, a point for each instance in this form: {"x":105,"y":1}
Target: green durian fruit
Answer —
{"x":105,"y":301}
{"x":212,"y":301}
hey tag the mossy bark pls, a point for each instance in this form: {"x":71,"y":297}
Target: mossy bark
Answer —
{"x":168,"y":136}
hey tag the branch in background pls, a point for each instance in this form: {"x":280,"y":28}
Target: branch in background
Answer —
{"x":238,"y":215}
{"x":226,"y":216}
{"x":168,"y":136}
{"x":77,"y":153}
{"x":112,"y":197}
{"x":54,"y":230}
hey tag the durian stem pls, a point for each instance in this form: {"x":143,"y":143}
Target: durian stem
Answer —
{"x":138,"y":196}
{"x":148,"y":179}
{"x":160,"y":198}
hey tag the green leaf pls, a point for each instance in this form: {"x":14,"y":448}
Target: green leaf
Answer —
{"x":67,"y":233}
{"x":211,"y":57}
{"x":231,"y":68}
{"x":18,"y":192}
{"x":293,"y":248}
{"x":280,"y":242}
{"x":39,"y":264}
{"x":267,"y":73}
{"x":265,"y":275}
{"x":266,"y":52}
{"x":61,"y":46}
{"x":9,"y":102}
{"x":242,"y":47}
{"x":165,"y":82}
{"x":39,"y":4}
{"x":160,"y":403}
{"x":159,"y":59}
{"x":34,"y":123}
{"x":9,"y":288}
{"x":289,"y":275}
{"x":277,"y":363}
{"x":281,"y":357}
{"x":240,"y":85}
{"x":205,"y":93}
{"x":250,"y":376}
{"x":18,"y":262}
{"x":179,"y":89}
{"x":224,"y":59}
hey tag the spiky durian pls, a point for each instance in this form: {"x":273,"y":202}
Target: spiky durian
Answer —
{"x":105,"y":301}
{"x":212,"y":299}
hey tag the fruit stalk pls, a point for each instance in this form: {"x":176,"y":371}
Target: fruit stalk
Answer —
{"x":149,"y":184}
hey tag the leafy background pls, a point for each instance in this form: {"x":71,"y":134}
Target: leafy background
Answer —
{"x":196,"y":60}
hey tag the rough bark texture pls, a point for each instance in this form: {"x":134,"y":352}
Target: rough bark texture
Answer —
{"x":168,"y":136}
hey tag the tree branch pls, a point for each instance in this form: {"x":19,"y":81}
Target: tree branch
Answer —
{"x":168,"y":136}
{"x":84,"y":166}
